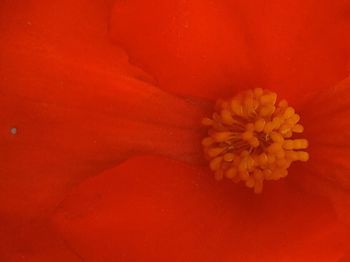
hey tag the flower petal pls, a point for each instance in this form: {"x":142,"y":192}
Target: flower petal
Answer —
{"x":192,"y":47}
{"x":71,"y":105}
{"x":214,"y":48}
{"x":34,"y":241}
{"x":302,"y":45}
{"x":327,"y":127}
{"x":149,"y":208}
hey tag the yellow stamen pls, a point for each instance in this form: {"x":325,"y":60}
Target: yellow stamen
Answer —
{"x":229,"y":157}
{"x":250,"y":138}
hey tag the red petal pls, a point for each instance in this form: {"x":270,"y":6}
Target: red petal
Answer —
{"x":76,"y":103}
{"x":302,"y":45}
{"x":192,"y":47}
{"x":212,"y":49}
{"x":153,"y":209}
{"x":327,"y":127}
{"x":35,"y":241}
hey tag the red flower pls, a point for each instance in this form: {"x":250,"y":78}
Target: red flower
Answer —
{"x":101,"y":161}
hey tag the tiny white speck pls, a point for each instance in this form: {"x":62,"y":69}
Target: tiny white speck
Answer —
{"x":13,"y":130}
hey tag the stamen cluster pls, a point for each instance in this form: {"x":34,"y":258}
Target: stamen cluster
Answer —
{"x":250,"y":138}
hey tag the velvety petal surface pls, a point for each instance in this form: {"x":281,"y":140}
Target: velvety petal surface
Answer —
{"x":326,"y":118}
{"x":34,"y":241}
{"x":191,"y":47}
{"x":154,"y":209}
{"x":71,"y":105}
{"x":302,"y":46}
{"x":215,"y":48}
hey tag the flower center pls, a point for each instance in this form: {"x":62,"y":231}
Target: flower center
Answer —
{"x":250,"y":138}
